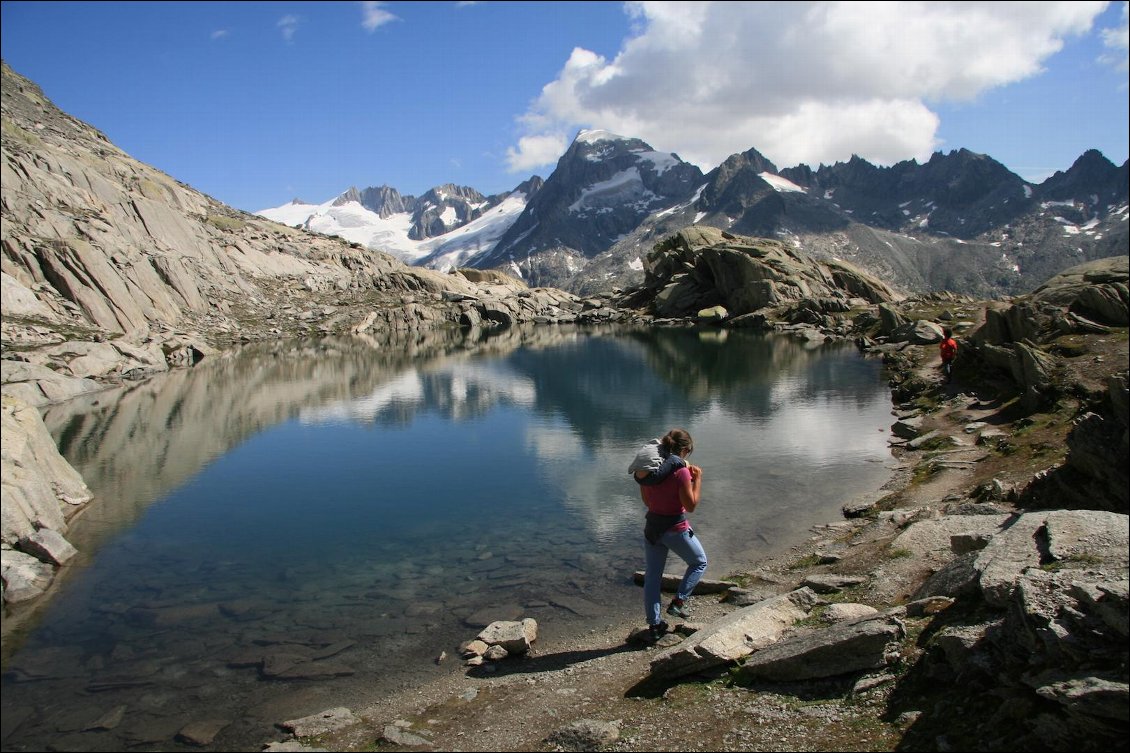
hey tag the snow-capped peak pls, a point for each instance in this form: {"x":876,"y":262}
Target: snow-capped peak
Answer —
{"x":591,"y":137}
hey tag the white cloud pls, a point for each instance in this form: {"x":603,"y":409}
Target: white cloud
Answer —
{"x":1117,"y":40}
{"x":219,"y":34}
{"x":373,"y":16}
{"x":810,"y":82}
{"x":288,"y":25}
{"x":534,"y":151}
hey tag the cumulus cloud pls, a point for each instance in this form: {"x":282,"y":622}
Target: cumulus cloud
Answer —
{"x":810,"y":82}
{"x":535,"y":151}
{"x":1117,"y":40}
{"x":288,"y":26}
{"x":373,"y":16}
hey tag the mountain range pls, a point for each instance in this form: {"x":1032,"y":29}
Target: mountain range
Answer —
{"x":960,"y":222}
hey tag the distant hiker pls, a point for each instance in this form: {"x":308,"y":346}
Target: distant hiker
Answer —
{"x":948,"y":349}
{"x":667,"y":528}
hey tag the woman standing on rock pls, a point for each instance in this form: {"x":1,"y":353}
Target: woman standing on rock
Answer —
{"x":667,"y":529}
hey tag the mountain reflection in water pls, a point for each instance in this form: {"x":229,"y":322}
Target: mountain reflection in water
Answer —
{"x":355,"y":510}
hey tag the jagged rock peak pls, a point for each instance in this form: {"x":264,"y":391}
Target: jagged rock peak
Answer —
{"x":1090,"y":175}
{"x":385,"y":200}
{"x":530,"y":187}
{"x":750,"y":159}
{"x":449,"y":193}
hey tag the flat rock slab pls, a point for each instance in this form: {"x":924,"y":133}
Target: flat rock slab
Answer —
{"x":1069,"y":538}
{"x":930,"y":540}
{"x":830,"y":583}
{"x":203,"y":732}
{"x":869,"y":643}
{"x":671,"y":583}
{"x":330,"y":720}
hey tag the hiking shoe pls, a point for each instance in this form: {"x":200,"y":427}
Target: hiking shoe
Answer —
{"x":679,"y":609}
{"x":655,"y":632}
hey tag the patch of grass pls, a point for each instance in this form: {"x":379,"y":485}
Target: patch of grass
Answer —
{"x":923,"y":472}
{"x":742,"y":580}
{"x":815,"y":618}
{"x":225,"y":223}
{"x":936,"y":444}
{"x":900,"y":553}
{"x":807,"y":561}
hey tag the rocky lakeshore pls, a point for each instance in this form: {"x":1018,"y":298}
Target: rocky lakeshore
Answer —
{"x":959,"y":611}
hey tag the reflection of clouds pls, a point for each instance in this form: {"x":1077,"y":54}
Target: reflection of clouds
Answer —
{"x":824,"y":427}
{"x":405,"y":388}
{"x":456,"y":391}
{"x":597,"y":487}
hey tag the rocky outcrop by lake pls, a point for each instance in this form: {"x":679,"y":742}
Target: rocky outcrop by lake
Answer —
{"x":703,"y":267}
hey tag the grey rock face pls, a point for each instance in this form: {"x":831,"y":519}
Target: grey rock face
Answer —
{"x":735,"y":636}
{"x":862,"y":644}
{"x":702,"y":267}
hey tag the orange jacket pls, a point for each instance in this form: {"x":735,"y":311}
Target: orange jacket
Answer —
{"x":948,"y":348}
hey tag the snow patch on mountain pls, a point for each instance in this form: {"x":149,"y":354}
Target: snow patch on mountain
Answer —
{"x":660,"y":161}
{"x":624,"y":188}
{"x":355,"y":223}
{"x":450,"y":250}
{"x":780,"y":184}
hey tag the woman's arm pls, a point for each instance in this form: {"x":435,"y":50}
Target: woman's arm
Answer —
{"x":690,"y":490}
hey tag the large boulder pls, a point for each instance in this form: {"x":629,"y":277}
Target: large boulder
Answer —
{"x":701,"y":267}
{"x":1096,"y":289}
{"x":868,"y":643}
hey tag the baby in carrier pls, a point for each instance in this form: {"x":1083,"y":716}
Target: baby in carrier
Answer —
{"x":653,"y":464}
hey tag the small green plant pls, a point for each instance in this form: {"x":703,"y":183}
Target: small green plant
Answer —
{"x":900,"y":553}
{"x":1081,"y":558}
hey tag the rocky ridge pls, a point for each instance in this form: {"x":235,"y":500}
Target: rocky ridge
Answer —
{"x":100,"y":247}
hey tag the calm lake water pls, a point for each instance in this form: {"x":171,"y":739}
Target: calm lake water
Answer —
{"x":306,"y":525}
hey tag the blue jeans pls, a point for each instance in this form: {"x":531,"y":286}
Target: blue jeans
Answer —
{"x":686,"y":545}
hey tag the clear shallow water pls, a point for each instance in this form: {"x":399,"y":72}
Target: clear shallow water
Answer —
{"x":377,"y":505}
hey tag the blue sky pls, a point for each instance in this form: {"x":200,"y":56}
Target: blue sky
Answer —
{"x":258,"y":103}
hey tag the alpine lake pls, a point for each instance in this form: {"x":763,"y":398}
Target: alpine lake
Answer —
{"x":296,"y":526}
